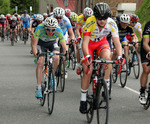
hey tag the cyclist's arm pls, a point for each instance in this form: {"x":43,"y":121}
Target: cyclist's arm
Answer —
{"x":34,"y":46}
{"x":140,"y":32}
{"x":72,"y":36}
{"x":85,"y":44}
{"x":118,"y":46}
{"x":77,"y":30}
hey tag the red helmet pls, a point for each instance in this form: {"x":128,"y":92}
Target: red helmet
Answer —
{"x":134,"y":18}
{"x":67,"y":12}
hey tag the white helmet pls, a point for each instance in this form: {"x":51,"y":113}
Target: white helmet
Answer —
{"x":19,"y":16}
{"x":14,"y":18}
{"x":40,"y":17}
{"x":2,"y":16}
{"x":58,"y":12}
{"x":125,"y":18}
{"x":50,"y":21}
{"x":45,"y":14}
{"x":8,"y":15}
{"x":88,"y":12}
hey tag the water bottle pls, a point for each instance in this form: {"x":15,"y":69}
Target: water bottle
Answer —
{"x":94,"y":83}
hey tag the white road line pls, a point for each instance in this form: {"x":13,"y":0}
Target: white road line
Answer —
{"x":131,"y":90}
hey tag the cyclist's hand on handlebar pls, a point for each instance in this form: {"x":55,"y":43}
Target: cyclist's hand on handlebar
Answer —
{"x":78,"y":40}
{"x":121,"y":60}
{"x":87,"y":60}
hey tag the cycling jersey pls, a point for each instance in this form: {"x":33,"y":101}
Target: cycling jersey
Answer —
{"x":40,"y":33}
{"x":146,"y":33}
{"x":3,"y":22}
{"x":137,"y":27}
{"x":25,"y":18}
{"x":13,"y":24}
{"x":91,"y":29}
{"x":124,"y":32}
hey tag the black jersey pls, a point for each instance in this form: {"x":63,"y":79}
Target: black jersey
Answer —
{"x":34,"y":24}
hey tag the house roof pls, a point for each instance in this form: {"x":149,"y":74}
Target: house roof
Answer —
{"x":71,"y":4}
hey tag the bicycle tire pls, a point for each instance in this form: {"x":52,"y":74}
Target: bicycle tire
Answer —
{"x":51,"y":91}
{"x":12,"y":38}
{"x":129,"y":65}
{"x":62,"y":75}
{"x":136,"y":63}
{"x":124,"y":73}
{"x":90,"y":109}
{"x":43,"y":85}
{"x":114,"y":73}
{"x":102,"y":98}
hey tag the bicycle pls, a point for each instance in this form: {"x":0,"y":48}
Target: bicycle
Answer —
{"x":146,"y":106}
{"x":48,"y":88}
{"x":12,"y":37}
{"x":2,"y":34}
{"x":72,"y":55}
{"x":98,"y":98}
{"x":134,"y":60}
{"x":25,"y":35}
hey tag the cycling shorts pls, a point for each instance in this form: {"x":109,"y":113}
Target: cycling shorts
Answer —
{"x":123,"y":40}
{"x":3,"y":24}
{"x":51,"y":46}
{"x":98,"y":46}
{"x":26,"y":24}
{"x":143,"y":54}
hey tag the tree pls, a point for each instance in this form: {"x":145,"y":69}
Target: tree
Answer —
{"x":4,"y":6}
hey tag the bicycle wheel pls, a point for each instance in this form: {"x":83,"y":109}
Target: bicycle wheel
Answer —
{"x":43,"y":85}
{"x":102,"y":102}
{"x":114,"y":73}
{"x":25,"y":38}
{"x":124,"y":73}
{"x":51,"y":91}
{"x":136,"y":65}
{"x":73,"y":59}
{"x":129,"y":65}
{"x":90,"y":109}
{"x":12,"y":38}
{"x":2,"y":35}
{"x":62,"y":75}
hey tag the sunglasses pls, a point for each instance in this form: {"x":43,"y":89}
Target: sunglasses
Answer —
{"x":103,"y":18}
{"x":48,"y":29}
{"x":58,"y":17}
{"x":133,"y":22}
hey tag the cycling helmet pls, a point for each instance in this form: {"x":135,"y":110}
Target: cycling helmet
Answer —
{"x":73,"y":16}
{"x":2,"y":16}
{"x":45,"y":14}
{"x":67,"y":12}
{"x":58,"y":12}
{"x":8,"y":15}
{"x":16,"y":14}
{"x":125,"y":18}
{"x":50,"y":21}
{"x":14,"y":18}
{"x":88,"y":12}
{"x":40,"y":17}
{"x":19,"y":16}
{"x":134,"y":18}
{"x":25,"y":11}
{"x":102,"y":11}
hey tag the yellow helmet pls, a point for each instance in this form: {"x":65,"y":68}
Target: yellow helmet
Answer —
{"x":73,"y":16}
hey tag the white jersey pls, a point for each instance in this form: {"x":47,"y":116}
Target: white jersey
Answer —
{"x":137,"y":27}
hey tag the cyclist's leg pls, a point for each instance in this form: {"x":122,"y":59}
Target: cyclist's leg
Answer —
{"x":24,"y":25}
{"x":104,"y":52}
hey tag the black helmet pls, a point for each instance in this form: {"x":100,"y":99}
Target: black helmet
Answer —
{"x":102,"y":11}
{"x":25,"y":11}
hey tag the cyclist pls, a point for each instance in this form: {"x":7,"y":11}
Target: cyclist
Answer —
{"x":145,"y":58}
{"x":2,"y":23}
{"x":65,"y":25}
{"x":136,"y":26}
{"x":18,"y":25}
{"x":38,"y":20}
{"x":13,"y":25}
{"x":124,"y":29}
{"x":45,"y":36}
{"x":73,"y":20}
{"x":25,"y":21}
{"x":87,"y":12}
{"x":94,"y":35}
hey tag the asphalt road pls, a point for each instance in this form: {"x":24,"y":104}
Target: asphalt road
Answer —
{"x":18,"y":104}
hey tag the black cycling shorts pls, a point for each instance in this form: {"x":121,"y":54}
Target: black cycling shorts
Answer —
{"x":143,"y":54}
